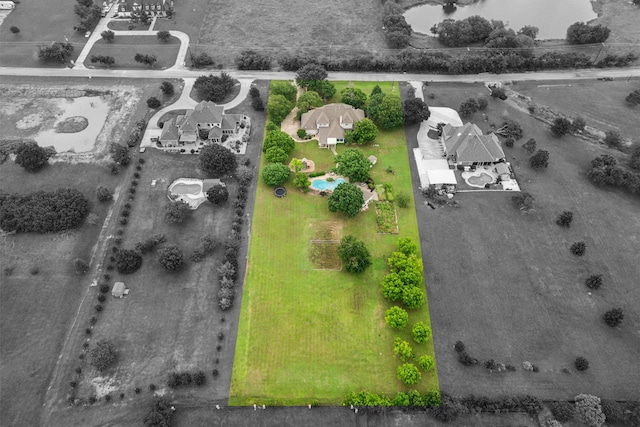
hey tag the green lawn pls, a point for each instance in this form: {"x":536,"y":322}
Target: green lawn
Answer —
{"x":124,"y":48}
{"x":307,"y":334}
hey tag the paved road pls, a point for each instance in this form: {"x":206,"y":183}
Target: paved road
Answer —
{"x":175,"y":72}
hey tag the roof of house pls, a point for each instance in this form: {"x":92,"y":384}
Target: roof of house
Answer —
{"x":214,"y":133}
{"x":169,"y":131}
{"x":331,"y":113}
{"x":441,"y":176}
{"x":204,"y":112}
{"x":470,"y":145}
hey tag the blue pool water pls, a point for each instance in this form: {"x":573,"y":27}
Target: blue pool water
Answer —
{"x":323,"y":185}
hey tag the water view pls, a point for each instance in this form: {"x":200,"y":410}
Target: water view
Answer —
{"x":93,"y":108}
{"x":552,"y":17}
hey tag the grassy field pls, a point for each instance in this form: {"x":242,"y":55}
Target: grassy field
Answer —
{"x":40,"y":23}
{"x":307,"y":334}
{"x":527,"y":291}
{"x":123,"y":49}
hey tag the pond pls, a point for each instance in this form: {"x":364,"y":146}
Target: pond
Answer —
{"x":93,"y":108}
{"x":552,"y":17}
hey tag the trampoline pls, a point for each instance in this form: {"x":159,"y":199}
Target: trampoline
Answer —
{"x":280,"y":192}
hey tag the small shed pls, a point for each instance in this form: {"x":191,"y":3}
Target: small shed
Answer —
{"x":119,"y":290}
{"x":503,"y":170}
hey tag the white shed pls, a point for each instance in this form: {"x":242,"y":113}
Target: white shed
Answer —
{"x":119,"y":290}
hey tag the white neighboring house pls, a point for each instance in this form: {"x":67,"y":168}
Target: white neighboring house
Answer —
{"x":7,"y":5}
{"x":329,"y":122}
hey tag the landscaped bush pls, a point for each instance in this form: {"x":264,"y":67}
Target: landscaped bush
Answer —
{"x":104,"y":288}
{"x":459,"y":346}
{"x":81,"y":266}
{"x":153,"y":102}
{"x":354,"y":254}
{"x":581,"y":363}
{"x":128,"y":261}
{"x":171,"y":258}
{"x":413,"y":297}
{"x":104,"y":194}
{"x":578,"y":248}
{"x":613,"y":317}
{"x":402,"y":200}
{"x":402,"y":349}
{"x":103,"y":355}
{"x":396,"y":317}
{"x":594,"y":281}
{"x":564,"y":219}
{"x":420,"y":332}
{"x":409,"y":374}
{"x":427,"y":363}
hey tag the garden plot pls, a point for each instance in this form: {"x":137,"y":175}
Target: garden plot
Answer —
{"x":323,"y":247}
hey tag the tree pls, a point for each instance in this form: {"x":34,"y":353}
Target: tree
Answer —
{"x":594,"y":281}
{"x":613,"y":317}
{"x":413,"y":296}
{"x":353,"y":164}
{"x":388,"y":114}
{"x":217,"y":160}
{"x":634,"y":97}
{"x":354,"y":254}
{"x":635,"y":157}
{"x":353,"y":96}
{"x":201,"y":60}
{"x":176,"y":212}
{"x":364,"y":132}
{"x":218,"y":194}
{"x":276,"y":154}
{"x":414,"y":110}
{"x":561,"y":126}
{"x":81,"y":266}
{"x":396,"y":317}
{"x":564,"y":219}
{"x":398,"y":39}
{"x":167,"y":88}
{"x":468,"y":107}
{"x":252,"y":60}
{"x":530,"y":146}
{"x":163,"y":36}
{"x":409,"y":374}
{"x":308,"y":76}
{"x":539,"y":160}
{"x":581,"y":33}
{"x":407,"y":246}
{"x":578,"y":248}
{"x":510,"y":129}
{"x":285,"y":89}
{"x":301,"y":181}
{"x":346,"y":198}
{"x":103,"y":355}
{"x":578,"y":124}
{"x":420,"y":332}
{"x":278,"y":107}
{"x":275,"y":174}
{"x":214,"y":88}
{"x":523,"y":201}
{"x":56,"y":52}
{"x":159,"y":414}
{"x":280,"y":139}
{"x":589,"y":410}
{"x":402,"y":349}
{"x":108,"y":36}
{"x":426,"y":363}
{"x":499,"y":92}
{"x":120,"y":154}
{"x":153,"y":102}
{"x":128,"y":261}
{"x":146,"y":59}
{"x":529,"y":31}
{"x":392,"y":286}
{"x":613,"y":139}
{"x":103,"y":59}
{"x":307,"y":101}
{"x":104,"y":194}
{"x":581,"y":363}
{"x":171,"y":258}
{"x":31,"y":156}
{"x":257,"y":104}
{"x":14,"y":29}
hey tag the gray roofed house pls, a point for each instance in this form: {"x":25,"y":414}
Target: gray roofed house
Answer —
{"x":328,"y":123}
{"x":466,"y":145}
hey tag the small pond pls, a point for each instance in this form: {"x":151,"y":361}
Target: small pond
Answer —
{"x":552,"y":17}
{"x":93,"y":108}
{"x":324,"y":185}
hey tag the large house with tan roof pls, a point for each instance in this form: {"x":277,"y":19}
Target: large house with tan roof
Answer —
{"x":467,"y":146}
{"x":151,"y":7}
{"x":206,"y":123}
{"x":328,"y":123}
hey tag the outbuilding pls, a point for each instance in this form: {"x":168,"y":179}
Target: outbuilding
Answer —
{"x":119,"y":290}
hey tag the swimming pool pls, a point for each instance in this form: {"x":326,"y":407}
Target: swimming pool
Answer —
{"x":480,"y":181}
{"x":324,"y":185}
{"x":182,"y":188}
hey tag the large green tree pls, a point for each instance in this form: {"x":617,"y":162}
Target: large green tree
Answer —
{"x":31,"y":156}
{"x":217,"y":160}
{"x":285,"y":89}
{"x":415,"y":110}
{"x":353,"y":164}
{"x":409,"y":374}
{"x":275,"y":174}
{"x":103,"y":355}
{"x":353,"y":96}
{"x":278,"y":108}
{"x":280,"y":139}
{"x":309,"y":74}
{"x":354,"y":254}
{"x":307,"y":101}
{"x":176,"y":212}
{"x":171,"y":258}
{"x":346,"y":198}
{"x":396,"y":317}
{"x":385,"y":110}
{"x":364,"y":132}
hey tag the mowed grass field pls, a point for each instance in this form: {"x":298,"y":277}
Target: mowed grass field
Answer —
{"x":308,"y":334}
{"x":36,"y":310}
{"x":507,"y":285}
{"x":124,"y":48}
{"x":40,"y":23}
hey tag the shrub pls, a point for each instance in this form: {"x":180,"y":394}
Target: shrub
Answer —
{"x":589,"y":410}
{"x":396,"y":317}
{"x":159,"y":413}
{"x":420,"y":332}
{"x":427,"y":363}
{"x":530,"y":146}
{"x":581,"y":363}
{"x":199,"y":378}
{"x":218,"y":194}
{"x":196,"y":256}
{"x":354,"y":255}
{"x":402,"y":199}
{"x":466,"y":359}
{"x":104,"y":288}
{"x":81,"y":266}
{"x":561,"y":126}
{"x":153,"y":102}
{"x":402,"y":349}
{"x":409,"y":374}
{"x":103,"y":355}
{"x":128,"y":261}
{"x":523,"y":201}
{"x":413,"y":296}
{"x":578,"y":248}
{"x":499,"y":92}
{"x":613,"y":411}
{"x":31,"y":156}
{"x":101,"y":297}
{"x":104,"y":194}
{"x":539,"y":160}
{"x":564,"y":219}
{"x":171,"y":258}
{"x":613,"y":317}
{"x":176,"y":212}
{"x":613,"y":139}
{"x":582,"y":33}
{"x":594,"y":281}
{"x":167,"y":88}
{"x":562,"y":410}
{"x":275,"y":174}
{"x":459,"y":346}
